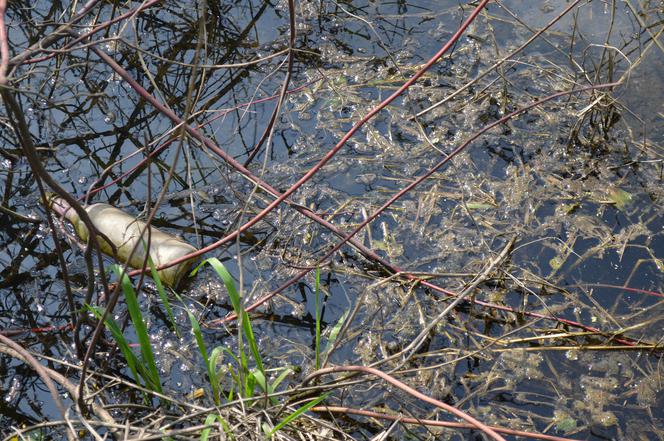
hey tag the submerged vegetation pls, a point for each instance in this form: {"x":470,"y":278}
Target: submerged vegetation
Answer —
{"x":411,"y":220}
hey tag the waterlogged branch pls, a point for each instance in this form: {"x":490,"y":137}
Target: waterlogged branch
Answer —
{"x":61,"y":32}
{"x":207,"y":142}
{"x":69,"y":46}
{"x":404,"y":387}
{"x":280,"y":197}
{"x":58,"y":378}
{"x":269,"y":129}
{"x":373,"y":112}
{"x":348,"y":237}
{"x":432,"y":423}
{"x":16,"y":350}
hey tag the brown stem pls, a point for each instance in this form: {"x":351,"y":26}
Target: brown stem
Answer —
{"x":267,"y":133}
{"x":26,"y":357}
{"x":62,"y":381}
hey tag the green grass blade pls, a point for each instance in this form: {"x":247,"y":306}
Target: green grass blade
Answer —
{"x":253,"y":346}
{"x":297,"y":413}
{"x":282,"y":376}
{"x":205,"y":433}
{"x":212,"y":373}
{"x":236,"y":301}
{"x":250,"y":384}
{"x":140,"y":328}
{"x":162,"y":295}
{"x":264,"y":385}
{"x":130,"y":357}
{"x":198,"y":335}
{"x":318,"y":317}
{"x":226,"y":277}
{"x":334,"y":332}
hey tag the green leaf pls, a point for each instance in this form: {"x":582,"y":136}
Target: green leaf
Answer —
{"x":162,"y":295}
{"x":281,"y":377}
{"x":318,"y":317}
{"x":556,"y":262}
{"x":211,"y":369}
{"x":567,"y":209}
{"x":236,"y":301}
{"x":264,"y":385}
{"x":249,"y":385}
{"x":566,"y":425}
{"x":139,"y":327}
{"x":209,"y":420}
{"x":478,"y":206}
{"x":297,"y":413}
{"x":620,"y":198}
{"x":334,"y":332}
{"x":130,"y":357}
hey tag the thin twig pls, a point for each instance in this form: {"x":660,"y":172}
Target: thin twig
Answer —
{"x":26,"y":357}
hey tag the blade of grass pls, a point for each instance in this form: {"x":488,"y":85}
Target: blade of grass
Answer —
{"x":139,"y":327}
{"x":212,"y":373}
{"x":297,"y":413}
{"x":250,"y":384}
{"x":215,"y":378}
{"x":131,"y":359}
{"x":282,"y":376}
{"x":262,"y":382}
{"x":318,"y":317}
{"x":205,"y":433}
{"x":334,"y":332}
{"x":162,"y":295}
{"x":270,"y":388}
{"x":236,"y":301}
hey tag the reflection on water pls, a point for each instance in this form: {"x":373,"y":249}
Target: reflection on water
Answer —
{"x":577,"y":182}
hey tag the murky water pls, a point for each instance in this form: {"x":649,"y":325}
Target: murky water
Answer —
{"x":577,"y":182}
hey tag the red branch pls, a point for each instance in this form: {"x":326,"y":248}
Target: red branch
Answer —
{"x":281,"y":197}
{"x":102,"y":26}
{"x":404,"y":387}
{"x":434,"y":423}
{"x":4,"y":45}
{"x":412,"y":185}
{"x":329,"y":155}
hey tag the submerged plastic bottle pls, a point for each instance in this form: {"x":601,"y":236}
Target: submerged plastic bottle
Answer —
{"x":124,"y":231}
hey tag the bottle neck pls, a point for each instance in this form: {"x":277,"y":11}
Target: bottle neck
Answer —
{"x":62,"y":208}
